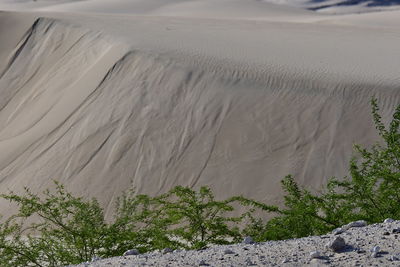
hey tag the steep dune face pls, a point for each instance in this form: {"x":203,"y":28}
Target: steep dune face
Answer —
{"x":49,"y":76}
{"x":102,"y":118}
{"x":12,"y":29}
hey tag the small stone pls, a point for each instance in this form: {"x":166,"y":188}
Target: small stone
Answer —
{"x":228,"y":251}
{"x":374,"y":255}
{"x":388,"y":220}
{"x":394,"y":258}
{"x":338,"y":231}
{"x":386,"y":233}
{"x":360,"y":251}
{"x":132,"y":252}
{"x":376,"y":249}
{"x":248,"y":240}
{"x":167,"y":250}
{"x":396,"y":231}
{"x":360,"y":223}
{"x":285,"y":260}
{"x":315,"y":254}
{"x":249,"y":262}
{"x":203,"y":263}
{"x":337,"y":245}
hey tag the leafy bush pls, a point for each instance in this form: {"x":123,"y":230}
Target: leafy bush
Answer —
{"x":70,"y":230}
{"x":198,"y":218}
{"x":182,"y":218}
{"x":65,"y":230}
{"x":371,"y":193}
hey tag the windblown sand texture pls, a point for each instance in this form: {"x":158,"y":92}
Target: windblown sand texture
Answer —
{"x":235,"y":94}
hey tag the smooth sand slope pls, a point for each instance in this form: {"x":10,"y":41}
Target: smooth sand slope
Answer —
{"x":187,"y":93}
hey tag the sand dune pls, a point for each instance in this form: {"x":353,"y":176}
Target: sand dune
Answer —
{"x":341,"y":6}
{"x":188,"y":93}
{"x":205,"y":7}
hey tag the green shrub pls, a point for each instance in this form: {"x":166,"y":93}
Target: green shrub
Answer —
{"x":371,"y":192}
{"x":70,"y":230}
{"x":374,"y":187}
{"x":66,"y":230}
{"x":182,"y":218}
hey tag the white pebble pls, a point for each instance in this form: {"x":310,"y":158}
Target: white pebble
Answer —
{"x":132,"y":252}
{"x":394,"y":258}
{"x":248,"y":240}
{"x":376,"y":249}
{"x":228,"y":251}
{"x":360,"y":223}
{"x":315,"y":254}
{"x":388,"y":220}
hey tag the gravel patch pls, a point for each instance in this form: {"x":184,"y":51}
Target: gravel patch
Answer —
{"x":372,"y":245}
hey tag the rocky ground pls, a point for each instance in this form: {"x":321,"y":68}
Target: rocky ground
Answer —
{"x":352,"y":245}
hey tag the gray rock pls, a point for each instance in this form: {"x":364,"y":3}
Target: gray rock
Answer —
{"x":394,"y":257}
{"x":132,"y":252}
{"x":359,"y":251}
{"x":376,"y":249}
{"x":360,"y":223}
{"x":315,"y":254}
{"x":374,"y":254}
{"x":228,"y":251}
{"x":388,"y":220}
{"x":249,"y":262}
{"x":167,"y":250}
{"x":248,"y":240}
{"x":203,"y":263}
{"x":338,"y":231}
{"x":337,"y":245}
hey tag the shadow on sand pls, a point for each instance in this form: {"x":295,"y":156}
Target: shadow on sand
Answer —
{"x":369,"y":3}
